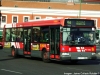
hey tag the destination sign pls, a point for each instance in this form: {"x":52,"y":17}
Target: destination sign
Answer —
{"x":79,"y":22}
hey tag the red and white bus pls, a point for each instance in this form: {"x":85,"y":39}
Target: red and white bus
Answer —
{"x":53,"y":39}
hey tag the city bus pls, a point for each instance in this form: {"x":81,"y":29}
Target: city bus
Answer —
{"x":52,"y":39}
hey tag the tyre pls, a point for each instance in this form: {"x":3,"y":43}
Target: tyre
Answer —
{"x":14,"y":53}
{"x":1,"y":47}
{"x":45,"y":57}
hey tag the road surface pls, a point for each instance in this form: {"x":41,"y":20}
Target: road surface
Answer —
{"x":26,"y":66}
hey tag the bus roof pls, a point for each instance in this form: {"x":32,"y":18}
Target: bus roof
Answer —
{"x":38,"y":22}
{"x":41,"y":22}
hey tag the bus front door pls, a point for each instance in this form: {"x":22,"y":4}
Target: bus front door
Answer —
{"x":54,"y":43}
{"x":27,"y":41}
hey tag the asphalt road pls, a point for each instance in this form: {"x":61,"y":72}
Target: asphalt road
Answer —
{"x":26,"y":66}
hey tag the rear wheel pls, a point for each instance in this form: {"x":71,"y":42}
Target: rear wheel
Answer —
{"x":45,"y":56}
{"x":1,"y":47}
{"x":14,"y":52}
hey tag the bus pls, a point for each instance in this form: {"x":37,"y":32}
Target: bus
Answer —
{"x":53,"y":39}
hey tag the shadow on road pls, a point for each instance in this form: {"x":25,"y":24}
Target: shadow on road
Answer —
{"x":83,"y":62}
{"x":8,"y":58}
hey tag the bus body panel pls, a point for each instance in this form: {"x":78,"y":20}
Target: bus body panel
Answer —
{"x":64,"y":48}
{"x":77,"y":56}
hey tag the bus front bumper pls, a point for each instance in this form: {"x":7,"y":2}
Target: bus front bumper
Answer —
{"x":78,"y":56}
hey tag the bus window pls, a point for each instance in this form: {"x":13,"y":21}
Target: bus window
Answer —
{"x":97,"y":36}
{"x":13,"y":34}
{"x":19,"y":35}
{"x":8,"y":35}
{"x":44,"y":34}
{"x":36,"y":34}
{"x":79,"y":36}
{"x":67,"y":37}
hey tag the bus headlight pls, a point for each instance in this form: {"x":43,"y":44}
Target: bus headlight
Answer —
{"x":65,"y":53}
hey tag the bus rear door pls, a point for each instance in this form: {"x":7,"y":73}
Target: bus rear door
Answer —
{"x":27,"y":41}
{"x":54,"y":43}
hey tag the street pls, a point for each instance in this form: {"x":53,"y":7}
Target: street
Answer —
{"x":35,"y":66}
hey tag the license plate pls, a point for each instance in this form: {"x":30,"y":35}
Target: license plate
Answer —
{"x":82,"y":57}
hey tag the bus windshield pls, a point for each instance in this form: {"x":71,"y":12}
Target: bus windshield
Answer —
{"x":78,"y":36}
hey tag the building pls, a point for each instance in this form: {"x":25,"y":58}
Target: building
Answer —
{"x":21,"y":11}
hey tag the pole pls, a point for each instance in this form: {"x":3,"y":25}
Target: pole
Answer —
{"x":80,"y":8}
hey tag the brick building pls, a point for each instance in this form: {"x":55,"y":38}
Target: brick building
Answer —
{"x":20,"y":11}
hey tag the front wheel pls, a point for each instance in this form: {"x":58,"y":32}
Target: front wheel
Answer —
{"x":14,"y":52}
{"x":45,"y":57}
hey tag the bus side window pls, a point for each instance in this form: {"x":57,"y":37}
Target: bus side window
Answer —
{"x":19,"y":35}
{"x":8,"y":33}
{"x":36,"y":34}
{"x":44,"y":34}
{"x":13,"y":34}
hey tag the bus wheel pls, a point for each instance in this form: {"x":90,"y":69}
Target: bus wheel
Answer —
{"x":14,"y":52}
{"x":45,"y":57}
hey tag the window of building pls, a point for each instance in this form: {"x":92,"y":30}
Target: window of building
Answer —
{"x":4,"y":19}
{"x":37,"y":17}
{"x":25,"y":18}
{"x":14,"y":19}
{"x":49,"y":17}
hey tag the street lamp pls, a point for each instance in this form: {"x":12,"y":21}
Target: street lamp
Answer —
{"x":80,"y":8}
